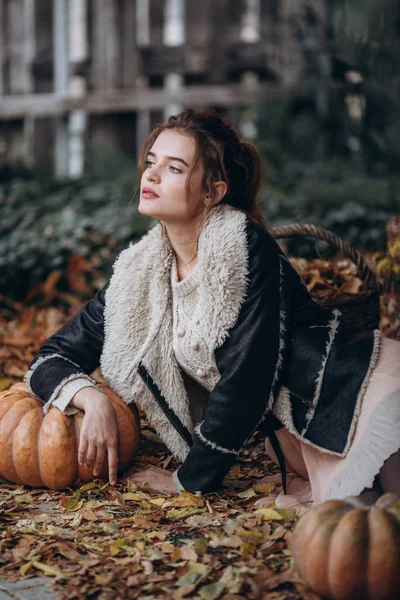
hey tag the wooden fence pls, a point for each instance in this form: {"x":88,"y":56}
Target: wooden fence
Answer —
{"x":73,"y":70}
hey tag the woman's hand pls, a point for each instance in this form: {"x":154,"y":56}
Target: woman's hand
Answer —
{"x":99,"y":434}
{"x":156,"y":478}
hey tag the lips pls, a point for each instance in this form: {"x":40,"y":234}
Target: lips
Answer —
{"x":149,"y":193}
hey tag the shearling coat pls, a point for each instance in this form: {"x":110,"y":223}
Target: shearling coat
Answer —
{"x":278,"y":354}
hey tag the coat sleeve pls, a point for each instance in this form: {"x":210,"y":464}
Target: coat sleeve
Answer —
{"x":71,"y":353}
{"x":247,"y":362}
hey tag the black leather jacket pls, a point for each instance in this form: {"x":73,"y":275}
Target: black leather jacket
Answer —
{"x":285,"y":355}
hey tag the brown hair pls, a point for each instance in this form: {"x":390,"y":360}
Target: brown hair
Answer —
{"x":225,"y":157}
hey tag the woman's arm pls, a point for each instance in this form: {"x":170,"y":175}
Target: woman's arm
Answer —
{"x":71,"y":353}
{"x":248,"y":362}
{"x":59,"y":372}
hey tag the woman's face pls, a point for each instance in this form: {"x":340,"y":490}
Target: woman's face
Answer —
{"x":162,"y":186}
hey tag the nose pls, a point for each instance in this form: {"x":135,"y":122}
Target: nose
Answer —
{"x":152,"y":174}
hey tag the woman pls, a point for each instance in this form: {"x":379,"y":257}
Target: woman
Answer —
{"x":207,"y":326}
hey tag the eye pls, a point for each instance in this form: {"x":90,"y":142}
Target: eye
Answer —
{"x":175,"y":169}
{"x":148,"y":163}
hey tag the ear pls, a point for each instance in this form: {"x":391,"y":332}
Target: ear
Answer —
{"x":221,"y":189}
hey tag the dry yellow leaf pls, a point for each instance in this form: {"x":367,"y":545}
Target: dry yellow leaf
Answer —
{"x":137,"y":496}
{"x":250,"y":493}
{"x":119,"y":546}
{"x":185,"y":499}
{"x":27,"y":498}
{"x":253,"y":536}
{"x":247,"y":550}
{"x":175,"y":514}
{"x":157,"y":501}
{"x":265,"y":488}
{"x":73,"y":504}
{"x":88,"y":486}
{"x":269,"y":514}
{"x":24,"y":569}
{"x":195,"y":574}
{"x":88,"y":514}
{"x":201,"y":546}
{"x":48,"y":569}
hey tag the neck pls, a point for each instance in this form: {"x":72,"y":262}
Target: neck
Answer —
{"x":184,"y":240}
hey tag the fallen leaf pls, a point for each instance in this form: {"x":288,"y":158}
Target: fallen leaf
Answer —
{"x":49,"y":570}
{"x":269,"y":514}
{"x":247,"y":550}
{"x":88,"y":487}
{"x":188,"y":553}
{"x":94,"y":504}
{"x":104,"y":579}
{"x":233,"y":541}
{"x":24,"y":569}
{"x":25,"y":498}
{"x":73,"y":504}
{"x":253,"y":536}
{"x":264,"y":488}
{"x":212,"y":591}
{"x":201,"y":546}
{"x":157,"y":501}
{"x":195,"y":574}
{"x":250,"y":493}
{"x":200,"y":520}
{"x":88,"y":514}
{"x":119,"y":546}
{"x":185,"y":499}
{"x":176,"y":514}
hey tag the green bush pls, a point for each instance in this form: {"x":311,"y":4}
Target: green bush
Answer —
{"x":354,"y":207}
{"x":310,"y":180}
{"x":43,"y":223}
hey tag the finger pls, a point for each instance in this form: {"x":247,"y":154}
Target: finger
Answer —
{"x":90,"y":454}
{"x":83,"y":444}
{"x":112,"y":463}
{"x":100,"y":456}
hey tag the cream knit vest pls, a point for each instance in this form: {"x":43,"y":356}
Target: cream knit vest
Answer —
{"x":188,"y":343}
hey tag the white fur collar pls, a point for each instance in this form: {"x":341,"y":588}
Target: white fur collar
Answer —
{"x":138,"y":314}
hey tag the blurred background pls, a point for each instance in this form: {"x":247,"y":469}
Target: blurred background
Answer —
{"x":315,"y":84}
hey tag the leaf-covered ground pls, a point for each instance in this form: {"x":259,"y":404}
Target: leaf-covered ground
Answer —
{"x":107,"y":542}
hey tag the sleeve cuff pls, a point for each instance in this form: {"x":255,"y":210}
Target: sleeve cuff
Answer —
{"x":176,"y":481}
{"x":68,"y":391}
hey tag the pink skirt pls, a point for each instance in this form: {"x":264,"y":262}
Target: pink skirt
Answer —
{"x":315,"y":476}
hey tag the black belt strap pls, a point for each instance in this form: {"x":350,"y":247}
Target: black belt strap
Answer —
{"x":281,"y":459}
{"x":167,"y":410}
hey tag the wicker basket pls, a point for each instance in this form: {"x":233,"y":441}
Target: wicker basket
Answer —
{"x":359,"y":310}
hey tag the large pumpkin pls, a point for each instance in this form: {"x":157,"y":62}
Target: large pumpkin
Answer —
{"x":42,"y":450}
{"x":347,"y":551}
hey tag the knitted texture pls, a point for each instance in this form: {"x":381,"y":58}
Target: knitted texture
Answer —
{"x":190,"y":347}
{"x":68,"y":391}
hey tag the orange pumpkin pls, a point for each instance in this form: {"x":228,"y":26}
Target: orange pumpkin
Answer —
{"x":42,"y":450}
{"x":345,"y":550}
